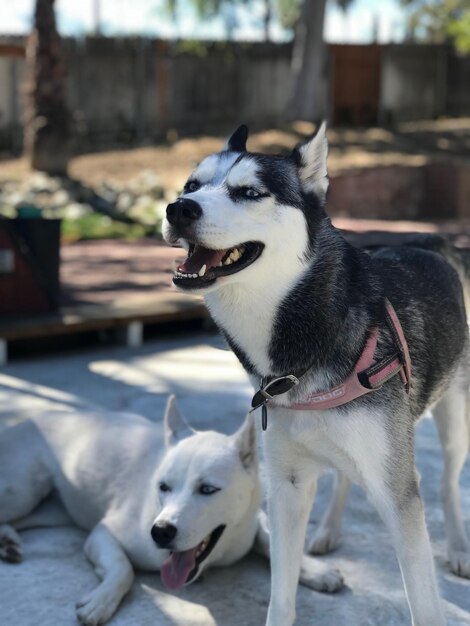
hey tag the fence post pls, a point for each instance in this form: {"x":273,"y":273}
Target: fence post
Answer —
{"x":15,"y":126}
{"x":139,"y":102}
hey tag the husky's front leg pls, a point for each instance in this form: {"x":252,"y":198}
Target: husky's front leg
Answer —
{"x":116,"y":573}
{"x":313,"y":573}
{"x":290,"y":493}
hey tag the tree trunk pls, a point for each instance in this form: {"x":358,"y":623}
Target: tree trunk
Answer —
{"x":267,"y":19}
{"x":308,"y":63}
{"x":47,"y":130}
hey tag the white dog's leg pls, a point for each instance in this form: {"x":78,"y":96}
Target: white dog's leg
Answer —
{"x":403,"y":514}
{"x":116,"y":573}
{"x":10,"y":544}
{"x":451,"y":418}
{"x":327,"y":536}
{"x":313,"y":573}
{"x":291,"y":488}
{"x":48,"y":514}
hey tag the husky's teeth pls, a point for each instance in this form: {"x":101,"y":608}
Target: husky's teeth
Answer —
{"x":220,"y":264}
{"x":227,"y":261}
{"x":202,"y":271}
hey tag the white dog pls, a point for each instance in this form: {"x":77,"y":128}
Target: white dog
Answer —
{"x":168,"y":499}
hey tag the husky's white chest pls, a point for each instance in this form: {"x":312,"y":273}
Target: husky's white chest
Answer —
{"x":239,"y":314}
{"x":330,"y":439}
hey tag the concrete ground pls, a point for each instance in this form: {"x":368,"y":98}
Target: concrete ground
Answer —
{"x":213,"y":393}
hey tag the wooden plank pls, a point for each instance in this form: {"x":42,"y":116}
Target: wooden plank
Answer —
{"x":165,"y":308}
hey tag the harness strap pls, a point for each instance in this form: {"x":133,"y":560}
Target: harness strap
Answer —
{"x":367,"y":376}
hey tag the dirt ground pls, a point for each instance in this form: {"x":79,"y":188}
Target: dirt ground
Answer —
{"x":410,"y":144}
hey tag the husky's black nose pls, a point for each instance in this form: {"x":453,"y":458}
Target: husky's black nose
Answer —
{"x":183,"y":212}
{"x":163,"y":535}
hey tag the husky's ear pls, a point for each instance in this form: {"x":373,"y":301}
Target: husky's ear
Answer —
{"x":245,"y":439}
{"x":175,"y":426}
{"x":237,"y":141}
{"x":311,"y":159}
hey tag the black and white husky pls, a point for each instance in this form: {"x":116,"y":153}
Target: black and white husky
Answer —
{"x":297,"y":302}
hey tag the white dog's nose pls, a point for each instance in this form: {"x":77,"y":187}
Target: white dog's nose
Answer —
{"x":163,"y":535}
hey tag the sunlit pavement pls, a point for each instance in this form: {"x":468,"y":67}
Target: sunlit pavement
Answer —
{"x":213,"y":393}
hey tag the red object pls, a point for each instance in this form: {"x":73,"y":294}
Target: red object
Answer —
{"x":22,"y":288}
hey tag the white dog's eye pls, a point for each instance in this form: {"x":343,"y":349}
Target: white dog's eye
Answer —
{"x":251,"y":193}
{"x":207,"y":490}
{"x":164,"y":487}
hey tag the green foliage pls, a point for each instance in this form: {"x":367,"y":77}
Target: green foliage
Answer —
{"x":95,"y":226}
{"x":289,"y":12}
{"x":205,"y":9}
{"x":459,"y":31}
{"x":440,"y":20}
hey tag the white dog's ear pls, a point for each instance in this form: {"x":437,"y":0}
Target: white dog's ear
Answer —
{"x":245,"y":439}
{"x":175,"y":426}
{"x":237,"y":141}
{"x":311,"y":158}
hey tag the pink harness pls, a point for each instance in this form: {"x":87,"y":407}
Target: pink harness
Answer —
{"x":368,"y":375}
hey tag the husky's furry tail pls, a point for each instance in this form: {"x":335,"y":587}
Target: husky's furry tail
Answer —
{"x":459,"y":258}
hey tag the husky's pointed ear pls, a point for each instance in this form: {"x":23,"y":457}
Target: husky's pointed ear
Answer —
{"x":311,"y":158}
{"x":175,"y":426}
{"x":245,"y":439}
{"x":237,"y":141}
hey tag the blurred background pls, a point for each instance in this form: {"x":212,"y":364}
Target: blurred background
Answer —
{"x":106,"y":105}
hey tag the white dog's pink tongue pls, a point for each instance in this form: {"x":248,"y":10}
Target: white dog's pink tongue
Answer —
{"x":201,"y":256}
{"x":175,"y":570}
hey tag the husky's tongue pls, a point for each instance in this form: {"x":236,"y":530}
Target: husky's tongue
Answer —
{"x":201,"y":256}
{"x":175,"y":570}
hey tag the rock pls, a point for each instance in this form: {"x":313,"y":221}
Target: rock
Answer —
{"x":60,"y":198}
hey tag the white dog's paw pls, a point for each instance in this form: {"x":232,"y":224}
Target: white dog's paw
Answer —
{"x":97,"y":607}
{"x":324,"y":540}
{"x":460,"y":563}
{"x":10,"y":544}
{"x":319,"y":576}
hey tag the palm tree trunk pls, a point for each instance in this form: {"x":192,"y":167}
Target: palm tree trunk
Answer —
{"x":47,"y":130}
{"x":308,"y":63}
{"x":267,"y":19}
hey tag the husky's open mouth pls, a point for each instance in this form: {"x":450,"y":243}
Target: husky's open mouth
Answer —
{"x":181,"y":567}
{"x":204,"y":266}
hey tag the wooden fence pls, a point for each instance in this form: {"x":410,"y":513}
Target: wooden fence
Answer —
{"x":129,"y":91}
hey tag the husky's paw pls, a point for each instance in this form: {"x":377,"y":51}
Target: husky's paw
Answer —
{"x":324,"y":540}
{"x":97,"y":607}
{"x":319,"y":576}
{"x":10,"y":544}
{"x":460,"y":563}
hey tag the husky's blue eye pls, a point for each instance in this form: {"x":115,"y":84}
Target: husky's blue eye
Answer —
{"x":191,"y":185}
{"x":207,"y":490}
{"x":164,"y":487}
{"x":246,"y":193}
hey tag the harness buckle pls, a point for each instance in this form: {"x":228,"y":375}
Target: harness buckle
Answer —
{"x":275,"y":387}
